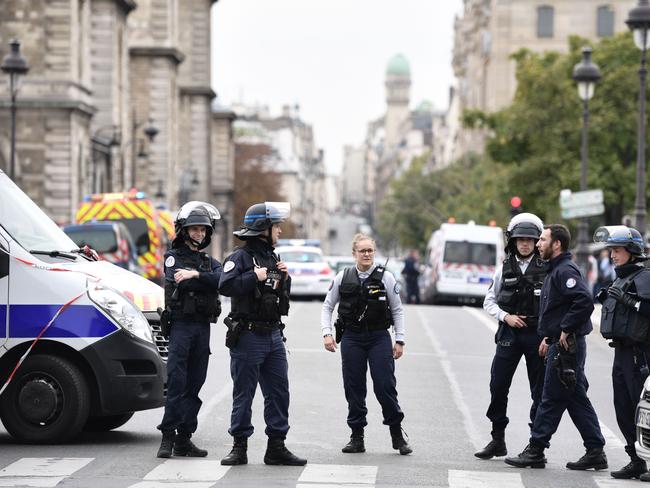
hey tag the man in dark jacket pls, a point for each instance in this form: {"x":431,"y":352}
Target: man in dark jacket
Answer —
{"x":565,"y":310}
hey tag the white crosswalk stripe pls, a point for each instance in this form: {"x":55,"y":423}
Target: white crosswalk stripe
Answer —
{"x":184,"y":473}
{"x":484,"y":479}
{"x":337,"y":476}
{"x":40,"y":472}
{"x":608,"y":482}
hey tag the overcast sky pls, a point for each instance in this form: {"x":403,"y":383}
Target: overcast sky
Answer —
{"x":330,"y":56}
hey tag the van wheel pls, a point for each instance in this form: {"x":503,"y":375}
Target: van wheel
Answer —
{"x":46,"y":402}
{"x":106,"y":423}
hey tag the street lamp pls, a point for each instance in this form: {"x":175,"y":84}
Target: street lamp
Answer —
{"x":151,"y":132}
{"x":15,"y":66}
{"x":585,"y":74}
{"x":638,"y":21}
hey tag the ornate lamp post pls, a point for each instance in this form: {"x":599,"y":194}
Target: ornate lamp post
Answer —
{"x":151,"y":132}
{"x":585,"y":74}
{"x":15,"y":66}
{"x":638,"y":21}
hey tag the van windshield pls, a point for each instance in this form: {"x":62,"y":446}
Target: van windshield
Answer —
{"x":101,"y":239}
{"x":481,"y":253}
{"x":139,"y":231}
{"x":27,"y":224}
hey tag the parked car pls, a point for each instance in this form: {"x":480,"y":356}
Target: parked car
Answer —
{"x":642,"y":417}
{"x":111,"y":240}
{"x":311,"y":275}
{"x":338,"y":263}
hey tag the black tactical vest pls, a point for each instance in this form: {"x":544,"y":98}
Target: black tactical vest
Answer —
{"x":519,"y":293}
{"x":623,"y":323}
{"x":271,"y":297}
{"x":192,"y":305}
{"x":364,"y":305}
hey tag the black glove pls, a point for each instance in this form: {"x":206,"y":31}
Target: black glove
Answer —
{"x":601,"y":296}
{"x":622,"y":297}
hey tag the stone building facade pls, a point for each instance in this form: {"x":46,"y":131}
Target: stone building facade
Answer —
{"x":489,"y":31}
{"x":101,"y":72}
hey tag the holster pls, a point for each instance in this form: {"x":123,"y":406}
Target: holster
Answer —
{"x":339,"y":329}
{"x":234,"y":331}
{"x":565,"y":363}
{"x":504,"y":336}
{"x":165,"y":322}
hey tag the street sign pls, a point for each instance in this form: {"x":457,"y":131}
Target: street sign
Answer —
{"x":569,"y":199}
{"x":584,"y":211}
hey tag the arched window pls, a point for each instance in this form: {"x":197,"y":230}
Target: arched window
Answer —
{"x":605,"y":22}
{"x":545,"y":21}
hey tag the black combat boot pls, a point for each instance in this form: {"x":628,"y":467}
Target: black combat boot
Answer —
{"x":496,"y":447}
{"x":635,"y":468}
{"x":594,"y":458}
{"x":532,"y":456}
{"x":356,"y":442}
{"x":185,"y":447}
{"x":238,"y":453}
{"x":399,"y":442}
{"x":277,"y":454}
{"x":166,"y":445}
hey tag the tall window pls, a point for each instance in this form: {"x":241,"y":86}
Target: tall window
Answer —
{"x":545,"y":21}
{"x":605,"y":22}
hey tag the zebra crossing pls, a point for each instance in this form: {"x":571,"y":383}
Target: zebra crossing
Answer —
{"x":202,"y":473}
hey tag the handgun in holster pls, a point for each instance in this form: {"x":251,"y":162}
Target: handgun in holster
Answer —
{"x":165,"y":321}
{"x":565,"y":363}
{"x":234,"y":331}
{"x":339,"y":329}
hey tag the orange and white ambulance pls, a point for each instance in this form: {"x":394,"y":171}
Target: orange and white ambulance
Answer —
{"x":140,"y":216}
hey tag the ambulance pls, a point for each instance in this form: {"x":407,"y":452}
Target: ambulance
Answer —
{"x":80,"y":342}
{"x":460,"y":262}
{"x":142,"y":219}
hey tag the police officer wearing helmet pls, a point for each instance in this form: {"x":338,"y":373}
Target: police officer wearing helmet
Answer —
{"x":565,"y":310}
{"x":191,"y":303}
{"x":259,"y":285}
{"x":513,"y":300}
{"x":369,"y":303}
{"x":625,"y":320}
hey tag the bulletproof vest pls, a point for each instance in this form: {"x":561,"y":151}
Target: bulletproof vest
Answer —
{"x":520,"y":292}
{"x":623,"y":323}
{"x":192,"y":305}
{"x":271,"y":297}
{"x":364,"y":304}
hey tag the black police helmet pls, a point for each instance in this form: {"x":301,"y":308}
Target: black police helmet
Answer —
{"x":195,"y":213}
{"x":622,"y":236}
{"x":260,"y":217}
{"x":526,"y":230}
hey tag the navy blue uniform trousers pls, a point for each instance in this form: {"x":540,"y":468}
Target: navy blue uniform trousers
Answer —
{"x":505,"y":362}
{"x":358,"y":350}
{"x":628,"y":381}
{"x":259,"y":358}
{"x":187,"y":367}
{"x":556,"y":399}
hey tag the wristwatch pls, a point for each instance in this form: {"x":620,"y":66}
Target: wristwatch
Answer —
{"x":401,"y":343}
{"x":327,"y":335}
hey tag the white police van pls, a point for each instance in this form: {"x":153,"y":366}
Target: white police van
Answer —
{"x":76,"y":352}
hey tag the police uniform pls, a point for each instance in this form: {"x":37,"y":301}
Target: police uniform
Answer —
{"x":369,"y":303}
{"x":258,"y":354}
{"x":515,"y":289}
{"x":192,"y":304}
{"x":565,"y":306}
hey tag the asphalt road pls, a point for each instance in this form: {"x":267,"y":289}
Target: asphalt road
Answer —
{"x":443,"y":390}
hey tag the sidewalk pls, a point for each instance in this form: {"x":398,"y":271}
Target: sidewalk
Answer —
{"x":595,"y":317}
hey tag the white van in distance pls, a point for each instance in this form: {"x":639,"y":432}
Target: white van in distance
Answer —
{"x":460,"y":262}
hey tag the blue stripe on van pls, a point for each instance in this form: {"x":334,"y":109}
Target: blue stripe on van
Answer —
{"x":75,"y":321}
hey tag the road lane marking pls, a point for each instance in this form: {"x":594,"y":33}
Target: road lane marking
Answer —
{"x":40,"y":472}
{"x":484,"y":479}
{"x":610,"y":482}
{"x":167,"y":484}
{"x":612,"y":439}
{"x":457,"y":395}
{"x":188,"y":470}
{"x":335,"y":475}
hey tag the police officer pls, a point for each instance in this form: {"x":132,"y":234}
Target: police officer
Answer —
{"x":259,"y":285}
{"x":369,"y":303}
{"x":625,"y":320}
{"x":513,"y":299}
{"x":191,"y":304}
{"x":564,"y":319}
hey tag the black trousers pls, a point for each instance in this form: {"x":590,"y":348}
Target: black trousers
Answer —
{"x":627,"y":380}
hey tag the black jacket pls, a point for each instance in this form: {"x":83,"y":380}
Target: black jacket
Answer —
{"x":566,"y":304}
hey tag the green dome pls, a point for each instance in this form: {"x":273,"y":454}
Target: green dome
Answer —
{"x":398,"y":65}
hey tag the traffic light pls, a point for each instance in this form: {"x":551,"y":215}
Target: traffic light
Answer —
{"x":515,"y":206}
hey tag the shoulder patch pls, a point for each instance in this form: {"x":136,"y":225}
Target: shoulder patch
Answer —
{"x":170,"y":261}
{"x":570,"y":283}
{"x":396,"y":288}
{"x":229,"y":266}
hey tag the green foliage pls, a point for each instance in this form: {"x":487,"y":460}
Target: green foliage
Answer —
{"x":532,"y":150}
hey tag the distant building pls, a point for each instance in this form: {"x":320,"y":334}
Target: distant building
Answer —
{"x":487,"y":34}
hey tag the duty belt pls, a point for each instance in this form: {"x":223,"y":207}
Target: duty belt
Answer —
{"x":262,"y":327}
